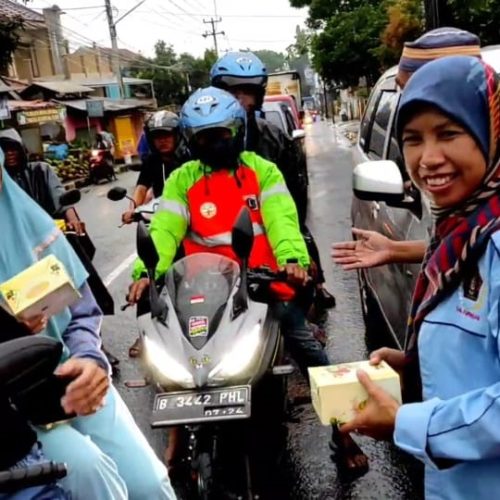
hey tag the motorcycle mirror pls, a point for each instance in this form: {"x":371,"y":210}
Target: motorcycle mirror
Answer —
{"x":117,"y":193}
{"x":71,"y":197}
{"x":146,"y":249}
{"x":242,"y":235}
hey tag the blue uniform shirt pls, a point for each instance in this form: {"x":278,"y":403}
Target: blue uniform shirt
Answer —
{"x":459,"y":419}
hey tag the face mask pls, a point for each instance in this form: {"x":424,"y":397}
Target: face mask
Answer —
{"x":220,"y":154}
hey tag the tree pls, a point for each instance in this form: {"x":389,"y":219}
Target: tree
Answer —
{"x":481,"y":17}
{"x":346,"y":49}
{"x":175,"y":77}
{"x":406,"y":22}
{"x":10,"y":28}
{"x":274,"y":61}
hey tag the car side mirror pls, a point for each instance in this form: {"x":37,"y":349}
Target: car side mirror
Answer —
{"x":242,"y":235}
{"x":71,"y":197}
{"x":117,"y":193}
{"x":298,"y":134}
{"x":378,"y":181}
{"x":146,"y":249}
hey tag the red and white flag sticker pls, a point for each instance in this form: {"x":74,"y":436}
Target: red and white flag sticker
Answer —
{"x":197,"y":299}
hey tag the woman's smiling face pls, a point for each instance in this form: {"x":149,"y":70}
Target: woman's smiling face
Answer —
{"x":442,"y":158}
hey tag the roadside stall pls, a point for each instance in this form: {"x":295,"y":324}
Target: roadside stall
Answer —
{"x":37,"y":121}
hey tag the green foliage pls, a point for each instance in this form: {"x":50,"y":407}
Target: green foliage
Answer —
{"x":175,"y":77}
{"x":347,"y":47}
{"x":274,"y":61}
{"x":481,"y":17}
{"x":10,"y":28}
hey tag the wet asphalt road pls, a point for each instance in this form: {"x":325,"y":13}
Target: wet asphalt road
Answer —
{"x":309,"y":472}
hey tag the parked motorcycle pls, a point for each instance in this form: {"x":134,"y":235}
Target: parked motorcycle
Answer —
{"x":213,"y":349}
{"x":101,"y":166}
{"x":27,"y":380}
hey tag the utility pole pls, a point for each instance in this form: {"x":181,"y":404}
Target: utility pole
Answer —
{"x":213,"y":33}
{"x":114,"y":43}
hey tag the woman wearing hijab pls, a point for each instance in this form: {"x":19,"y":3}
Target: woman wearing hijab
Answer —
{"x":107,"y":456}
{"x":449,"y":130}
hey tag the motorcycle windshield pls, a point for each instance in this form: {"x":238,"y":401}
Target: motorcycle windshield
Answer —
{"x":200,"y":286}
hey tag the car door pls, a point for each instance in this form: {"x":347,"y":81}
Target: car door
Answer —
{"x":389,"y":285}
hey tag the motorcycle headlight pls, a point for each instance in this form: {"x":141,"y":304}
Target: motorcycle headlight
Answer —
{"x":166,"y":365}
{"x":238,"y":359}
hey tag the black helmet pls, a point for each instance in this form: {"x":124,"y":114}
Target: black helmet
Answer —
{"x":161,"y":121}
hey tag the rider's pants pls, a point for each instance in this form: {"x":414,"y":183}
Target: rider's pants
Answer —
{"x":299,"y":339}
{"x":108,"y":457}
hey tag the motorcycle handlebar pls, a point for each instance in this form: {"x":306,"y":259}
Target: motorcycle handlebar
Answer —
{"x":34,"y":475}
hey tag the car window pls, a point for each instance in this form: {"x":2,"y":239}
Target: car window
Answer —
{"x":275,"y":118}
{"x":386,"y":104}
{"x":367,"y":118}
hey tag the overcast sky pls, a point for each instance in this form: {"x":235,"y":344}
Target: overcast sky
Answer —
{"x":255,"y":24}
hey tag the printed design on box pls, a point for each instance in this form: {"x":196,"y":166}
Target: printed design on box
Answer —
{"x":198,"y":326}
{"x":339,"y":371}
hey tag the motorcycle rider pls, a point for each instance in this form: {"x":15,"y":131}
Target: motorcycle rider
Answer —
{"x":162,"y":135}
{"x":202,"y":198}
{"x":244,"y":75}
{"x":37,"y":179}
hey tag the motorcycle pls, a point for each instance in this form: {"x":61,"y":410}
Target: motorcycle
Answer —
{"x":27,"y":380}
{"x":213,"y":350}
{"x":101,"y":166}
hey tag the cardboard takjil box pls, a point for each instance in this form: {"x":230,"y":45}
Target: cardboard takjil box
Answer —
{"x":337,"y":394}
{"x":43,"y":288}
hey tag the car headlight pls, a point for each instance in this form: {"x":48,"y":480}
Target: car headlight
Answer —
{"x":165,"y":364}
{"x":241,"y":355}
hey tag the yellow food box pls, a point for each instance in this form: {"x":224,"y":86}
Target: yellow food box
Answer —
{"x":61,"y":224}
{"x":337,"y":394}
{"x":43,"y":288}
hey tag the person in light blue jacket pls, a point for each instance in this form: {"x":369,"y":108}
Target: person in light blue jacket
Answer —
{"x":449,"y":129}
{"x":107,"y":456}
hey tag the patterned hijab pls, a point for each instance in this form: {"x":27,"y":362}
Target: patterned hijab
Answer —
{"x":468,"y":91}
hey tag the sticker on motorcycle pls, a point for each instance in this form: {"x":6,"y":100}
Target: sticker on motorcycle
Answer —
{"x":197,"y":299}
{"x":198,"y":326}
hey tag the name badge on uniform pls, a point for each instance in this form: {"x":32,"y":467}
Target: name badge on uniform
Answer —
{"x":252,"y":202}
{"x":472,"y":284}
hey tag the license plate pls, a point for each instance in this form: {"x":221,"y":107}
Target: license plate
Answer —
{"x":191,"y":407}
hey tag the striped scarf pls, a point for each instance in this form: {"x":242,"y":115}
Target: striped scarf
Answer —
{"x":460,"y":235}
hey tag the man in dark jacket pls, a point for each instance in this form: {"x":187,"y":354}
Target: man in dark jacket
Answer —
{"x":37,"y":179}
{"x":245,"y":76}
{"x":166,"y":154}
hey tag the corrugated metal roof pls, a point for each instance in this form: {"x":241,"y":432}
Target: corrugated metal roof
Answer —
{"x":62,"y":87}
{"x":105,"y":81}
{"x":11,"y":9}
{"x":110,"y":105}
{"x":31,"y":105}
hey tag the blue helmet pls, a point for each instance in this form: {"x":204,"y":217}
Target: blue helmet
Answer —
{"x":239,"y":68}
{"x":212,"y":108}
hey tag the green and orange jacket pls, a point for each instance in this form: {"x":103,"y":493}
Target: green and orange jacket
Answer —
{"x":199,"y":207}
